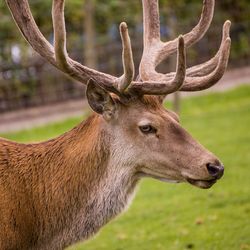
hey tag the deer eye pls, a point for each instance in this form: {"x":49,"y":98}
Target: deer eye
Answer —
{"x":147,"y":129}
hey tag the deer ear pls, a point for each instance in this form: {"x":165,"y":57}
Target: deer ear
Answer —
{"x":100,"y":100}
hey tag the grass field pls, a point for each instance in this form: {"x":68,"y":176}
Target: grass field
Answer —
{"x":176,"y":217}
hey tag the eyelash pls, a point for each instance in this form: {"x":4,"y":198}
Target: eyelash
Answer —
{"x":147,"y":129}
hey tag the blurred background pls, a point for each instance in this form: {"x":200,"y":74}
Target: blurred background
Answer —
{"x":26,"y":80}
{"x":38,"y":102}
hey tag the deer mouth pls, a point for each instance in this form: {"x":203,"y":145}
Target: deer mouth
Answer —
{"x":204,"y":184}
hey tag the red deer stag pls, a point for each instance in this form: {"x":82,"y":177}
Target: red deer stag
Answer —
{"x":55,"y":193}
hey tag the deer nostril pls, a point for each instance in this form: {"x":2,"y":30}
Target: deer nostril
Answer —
{"x":215,"y":171}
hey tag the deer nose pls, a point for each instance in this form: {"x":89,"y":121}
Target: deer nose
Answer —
{"x":215,"y":171}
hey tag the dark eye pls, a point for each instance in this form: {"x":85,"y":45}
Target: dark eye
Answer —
{"x":147,"y":129}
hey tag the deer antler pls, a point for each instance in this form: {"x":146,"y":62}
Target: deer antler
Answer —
{"x":155,"y":51}
{"x":127,"y":59}
{"x":58,"y":55}
{"x":22,"y":15}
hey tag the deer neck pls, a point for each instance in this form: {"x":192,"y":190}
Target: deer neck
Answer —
{"x":81,"y":185}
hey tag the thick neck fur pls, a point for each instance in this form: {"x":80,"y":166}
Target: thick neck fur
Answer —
{"x":73,"y":184}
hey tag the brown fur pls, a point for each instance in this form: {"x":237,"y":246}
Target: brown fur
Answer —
{"x":42,"y":185}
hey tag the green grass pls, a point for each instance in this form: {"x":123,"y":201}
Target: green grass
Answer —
{"x":176,"y":217}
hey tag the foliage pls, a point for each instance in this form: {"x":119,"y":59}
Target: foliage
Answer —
{"x":166,"y":216}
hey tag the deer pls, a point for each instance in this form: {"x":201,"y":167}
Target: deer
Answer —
{"x":62,"y":191}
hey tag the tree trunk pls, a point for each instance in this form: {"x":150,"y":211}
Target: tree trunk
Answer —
{"x":90,"y":35}
{"x":173,"y":27}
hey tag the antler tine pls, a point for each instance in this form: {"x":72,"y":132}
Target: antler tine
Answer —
{"x":205,"y":82}
{"x":60,"y":48}
{"x":20,"y":11}
{"x":207,"y":74}
{"x":151,"y":21}
{"x":194,"y":35}
{"x":59,"y":34}
{"x":166,"y":87}
{"x":127,"y":58}
{"x":61,"y":54}
{"x":208,"y":67}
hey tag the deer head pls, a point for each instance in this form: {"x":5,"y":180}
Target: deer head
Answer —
{"x":146,"y":138}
